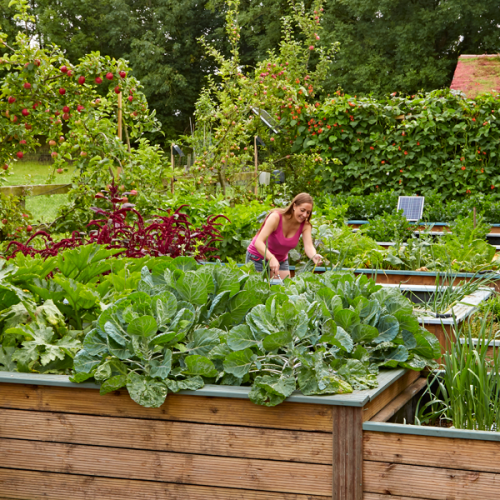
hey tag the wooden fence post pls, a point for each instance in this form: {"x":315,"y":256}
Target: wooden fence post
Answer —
{"x":256,"y":157}
{"x":347,"y":453}
{"x":173,"y":168}
{"x":119,"y":170}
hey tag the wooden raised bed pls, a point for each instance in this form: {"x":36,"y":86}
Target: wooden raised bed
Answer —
{"x":406,"y":462}
{"x":390,"y":277}
{"x":63,"y":441}
{"x":435,"y":226}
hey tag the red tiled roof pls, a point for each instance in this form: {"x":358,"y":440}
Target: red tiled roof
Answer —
{"x":477,"y":75}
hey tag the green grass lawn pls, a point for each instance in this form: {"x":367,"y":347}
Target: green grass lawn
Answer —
{"x":43,"y":208}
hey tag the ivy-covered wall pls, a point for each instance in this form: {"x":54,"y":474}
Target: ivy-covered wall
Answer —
{"x":437,"y":141}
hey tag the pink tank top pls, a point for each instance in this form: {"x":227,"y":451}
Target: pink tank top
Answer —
{"x":277,"y":244}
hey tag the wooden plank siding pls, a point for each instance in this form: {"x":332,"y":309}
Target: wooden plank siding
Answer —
{"x":464,"y":454}
{"x":159,"y":435}
{"x":71,"y":443}
{"x":434,"y":483}
{"x":183,"y":468}
{"x":32,"y":485}
{"x":430,"y":468}
{"x":225,"y":411}
{"x":383,"y":399}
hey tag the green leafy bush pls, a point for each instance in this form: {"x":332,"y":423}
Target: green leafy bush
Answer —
{"x":389,"y":227}
{"x":187,"y":325}
{"x":425,"y":143}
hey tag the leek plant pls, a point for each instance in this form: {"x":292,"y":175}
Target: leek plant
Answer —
{"x":446,"y":295}
{"x":466,"y":392}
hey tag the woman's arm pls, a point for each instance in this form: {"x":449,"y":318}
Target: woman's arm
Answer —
{"x":270,"y":226}
{"x":309,"y":246}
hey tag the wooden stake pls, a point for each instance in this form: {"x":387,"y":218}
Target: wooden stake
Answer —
{"x":120,"y":116}
{"x":173,"y":168}
{"x":474,"y":216}
{"x":119,"y":170}
{"x":256,"y":165}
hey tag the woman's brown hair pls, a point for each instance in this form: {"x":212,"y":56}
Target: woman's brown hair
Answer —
{"x":300,"y":199}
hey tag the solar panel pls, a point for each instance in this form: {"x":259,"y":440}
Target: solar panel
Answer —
{"x":412,"y":207}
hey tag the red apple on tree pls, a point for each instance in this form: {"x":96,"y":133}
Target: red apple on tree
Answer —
{"x":61,"y":139}
{"x":117,"y":89}
{"x":25,"y":112}
{"x":6,"y":167}
{"x":29,"y":228}
{"x":80,"y":108}
{"x":123,"y":74}
{"x":109,"y":75}
{"x":4,"y":221}
{"x":36,"y":62}
{"x":98,"y":80}
{"x":52,"y":142}
{"x":11,"y":100}
{"x":53,"y":154}
{"x":130,"y":98}
{"x":83,"y":153}
{"x":19,"y":154}
{"x":64,"y":69}
{"x":62,"y":91}
{"x":28,"y":126}
{"x":22,"y":141}
{"x":14,"y":118}
{"x":60,"y":170}
{"x":27,"y":85}
{"x":133,"y":192}
{"x":66,"y":109}
{"x":65,"y":116}
{"x":81,"y":80}
{"x":70,"y":73}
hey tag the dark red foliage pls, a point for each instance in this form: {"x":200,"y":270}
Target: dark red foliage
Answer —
{"x":124,"y":227}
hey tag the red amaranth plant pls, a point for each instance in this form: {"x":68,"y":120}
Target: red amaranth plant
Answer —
{"x":171,"y":234}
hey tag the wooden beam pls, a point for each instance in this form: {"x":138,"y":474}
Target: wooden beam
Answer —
{"x":397,"y":403}
{"x":23,"y":484}
{"x":161,"y":435}
{"x":376,"y":496}
{"x":347,"y":453}
{"x":261,"y":475}
{"x":429,"y":482}
{"x":463,"y":454}
{"x":35,"y":190}
{"x":178,"y":407}
{"x":383,"y":399}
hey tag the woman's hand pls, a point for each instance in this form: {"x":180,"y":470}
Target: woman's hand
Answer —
{"x":317,"y":259}
{"x":274,"y":266}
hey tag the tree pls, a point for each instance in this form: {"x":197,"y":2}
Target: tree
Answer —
{"x":44,"y":95}
{"x":157,"y":37}
{"x":277,"y":92}
{"x":396,"y":45}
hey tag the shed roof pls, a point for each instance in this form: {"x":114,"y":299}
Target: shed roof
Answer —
{"x":477,"y":74}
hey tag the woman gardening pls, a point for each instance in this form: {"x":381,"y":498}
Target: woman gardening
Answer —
{"x":281,"y":232}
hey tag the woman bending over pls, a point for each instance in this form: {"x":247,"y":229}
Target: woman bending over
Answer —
{"x":281,"y":232}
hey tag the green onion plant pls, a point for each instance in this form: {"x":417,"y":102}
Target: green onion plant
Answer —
{"x":465,"y":393}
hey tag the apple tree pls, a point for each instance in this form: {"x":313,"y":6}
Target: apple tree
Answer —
{"x":74,"y":108}
{"x":268,"y":100}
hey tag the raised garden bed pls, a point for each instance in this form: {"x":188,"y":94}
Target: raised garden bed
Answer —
{"x":406,"y":462}
{"x":390,"y":277}
{"x":422,"y":226}
{"x":444,"y":327}
{"x":60,"y":440}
